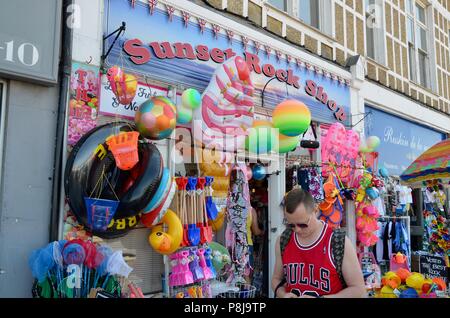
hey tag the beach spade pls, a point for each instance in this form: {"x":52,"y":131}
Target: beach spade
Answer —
{"x":183,"y":207}
{"x":205,"y":230}
{"x":193,"y":230}
{"x":211,"y":208}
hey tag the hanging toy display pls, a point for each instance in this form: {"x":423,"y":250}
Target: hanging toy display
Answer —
{"x":156,"y":118}
{"x":123,"y":85}
{"x":340,"y":149}
{"x":92,"y":181}
{"x":366,"y":224}
{"x":291,"y":117}
{"x":100,"y":270}
{"x":331,"y":209}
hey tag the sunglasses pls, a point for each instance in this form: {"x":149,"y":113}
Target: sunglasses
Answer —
{"x":300,"y":225}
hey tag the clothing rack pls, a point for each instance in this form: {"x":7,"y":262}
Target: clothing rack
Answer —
{"x":408,"y":229}
{"x":317,"y":164}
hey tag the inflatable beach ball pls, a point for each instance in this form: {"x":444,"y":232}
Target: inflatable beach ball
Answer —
{"x":260,"y":138}
{"x":259,"y":172}
{"x":156,"y":118}
{"x":191,"y":99}
{"x":286,"y":144}
{"x":291,"y":117}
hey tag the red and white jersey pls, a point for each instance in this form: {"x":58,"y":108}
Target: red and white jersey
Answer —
{"x":310,"y":269}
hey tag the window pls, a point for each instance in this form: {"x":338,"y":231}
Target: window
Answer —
{"x":280,"y":4}
{"x":316,"y":13}
{"x":375,"y":41}
{"x":308,"y":12}
{"x":418,"y":52}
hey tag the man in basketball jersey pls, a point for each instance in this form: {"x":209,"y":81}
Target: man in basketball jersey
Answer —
{"x":307,"y":263}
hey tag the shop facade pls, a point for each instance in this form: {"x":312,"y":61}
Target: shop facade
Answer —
{"x":190,"y":44}
{"x":171,"y":46}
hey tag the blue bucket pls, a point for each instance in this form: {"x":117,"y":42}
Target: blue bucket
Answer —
{"x":100,"y":212}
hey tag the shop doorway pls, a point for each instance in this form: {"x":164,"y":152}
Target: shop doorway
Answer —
{"x":259,"y":198}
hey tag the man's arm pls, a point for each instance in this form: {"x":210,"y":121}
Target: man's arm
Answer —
{"x":352,"y":273}
{"x":278,"y":275}
{"x":255,"y":228}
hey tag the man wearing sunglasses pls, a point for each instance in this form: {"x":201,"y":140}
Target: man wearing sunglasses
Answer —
{"x":311,"y":262}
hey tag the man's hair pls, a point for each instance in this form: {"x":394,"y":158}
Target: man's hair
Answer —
{"x":295,"y":197}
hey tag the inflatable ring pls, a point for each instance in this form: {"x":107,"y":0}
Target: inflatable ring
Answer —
{"x":90,"y":160}
{"x":155,"y":216}
{"x":167,"y":242}
{"x":159,"y":195}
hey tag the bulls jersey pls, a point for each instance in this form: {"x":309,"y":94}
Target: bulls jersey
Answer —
{"x":310,"y":269}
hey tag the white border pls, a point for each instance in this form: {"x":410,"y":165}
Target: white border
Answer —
{"x":2,"y":128}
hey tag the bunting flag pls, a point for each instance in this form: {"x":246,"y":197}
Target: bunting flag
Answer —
{"x":257,"y":46}
{"x":201,"y":24}
{"x":288,"y":58}
{"x":230,"y":35}
{"x":244,"y":42}
{"x":170,"y":11}
{"x":278,"y":54}
{"x":152,"y":5}
{"x":186,"y":17}
{"x":216,"y":29}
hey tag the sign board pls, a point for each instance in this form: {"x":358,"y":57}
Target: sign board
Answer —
{"x":109,"y":105}
{"x":183,"y":54}
{"x":30,"y":33}
{"x":433,"y":266}
{"x":402,"y":141}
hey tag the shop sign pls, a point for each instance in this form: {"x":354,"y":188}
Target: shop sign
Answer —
{"x":402,"y":141}
{"x":433,"y":266}
{"x":176,"y":52}
{"x":30,"y":33}
{"x":110,"y":106}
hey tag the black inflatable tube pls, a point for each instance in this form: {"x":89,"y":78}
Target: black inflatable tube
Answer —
{"x":84,"y":166}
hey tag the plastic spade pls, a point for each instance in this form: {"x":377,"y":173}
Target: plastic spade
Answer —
{"x":193,"y":231}
{"x":182,"y":183}
{"x":199,"y":208}
{"x":211,"y":207}
{"x":207,"y":232}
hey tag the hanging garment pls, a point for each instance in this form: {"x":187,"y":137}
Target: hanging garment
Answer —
{"x":303,"y":178}
{"x":238,"y":206}
{"x":379,"y":204}
{"x":378,"y":250}
{"x":310,"y":180}
{"x":315,"y":184}
{"x":387,"y":241}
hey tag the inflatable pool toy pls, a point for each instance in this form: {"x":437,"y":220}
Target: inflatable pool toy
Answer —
{"x":167,"y":242}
